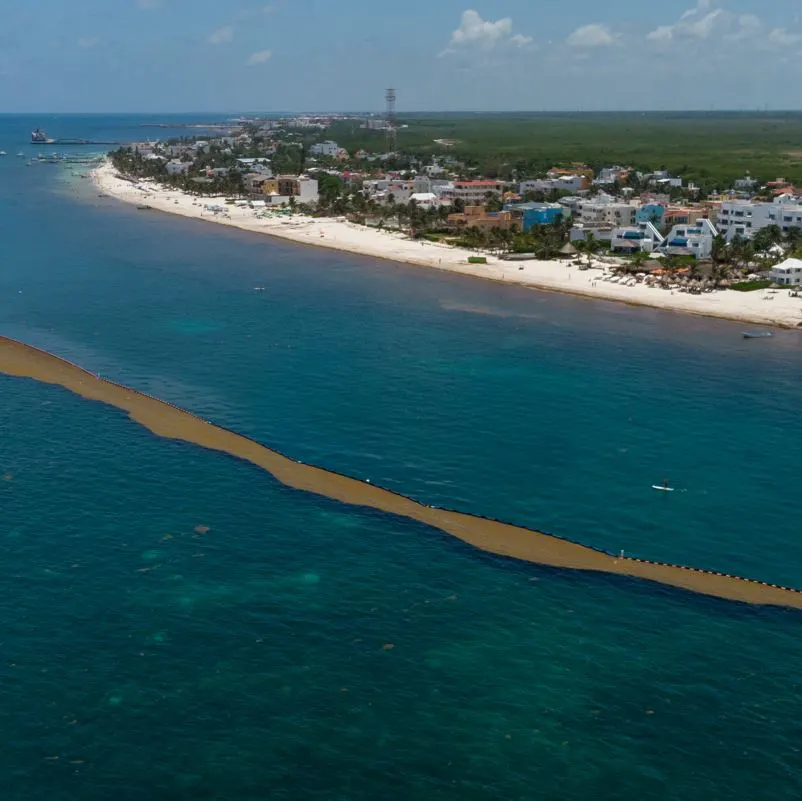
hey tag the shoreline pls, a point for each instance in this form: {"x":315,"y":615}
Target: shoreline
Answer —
{"x":776,"y":309}
{"x":504,"y":539}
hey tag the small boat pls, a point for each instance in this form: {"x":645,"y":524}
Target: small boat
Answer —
{"x":662,"y":488}
{"x":3,"y":153}
{"x":756,"y":334}
{"x":21,"y":155}
{"x":143,"y":208}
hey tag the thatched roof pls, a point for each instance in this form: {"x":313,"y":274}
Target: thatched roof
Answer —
{"x":568,"y":250}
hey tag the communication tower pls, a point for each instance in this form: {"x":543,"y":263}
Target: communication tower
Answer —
{"x":392,"y":122}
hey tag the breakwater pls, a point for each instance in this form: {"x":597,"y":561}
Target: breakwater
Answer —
{"x":166,"y":420}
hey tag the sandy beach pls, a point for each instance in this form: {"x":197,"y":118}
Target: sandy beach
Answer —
{"x":764,"y":307}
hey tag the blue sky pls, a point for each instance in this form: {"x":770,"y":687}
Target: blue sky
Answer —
{"x":268,"y":55}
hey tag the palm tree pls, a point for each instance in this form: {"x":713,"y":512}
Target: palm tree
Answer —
{"x":766,"y":237}
{"x":793,"y":236}
{"x":591,"y":247}
{"x":719,"y":249}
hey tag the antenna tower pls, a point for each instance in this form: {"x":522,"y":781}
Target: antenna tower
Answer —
{"x":392,"y":122}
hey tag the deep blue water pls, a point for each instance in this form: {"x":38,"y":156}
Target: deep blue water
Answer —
{"x":248,"y":662}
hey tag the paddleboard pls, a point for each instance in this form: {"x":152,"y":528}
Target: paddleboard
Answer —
{"x":663,"y":489}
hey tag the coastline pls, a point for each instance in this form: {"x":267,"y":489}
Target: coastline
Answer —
{"x":772,"y":309}
{"x":165,"y":420}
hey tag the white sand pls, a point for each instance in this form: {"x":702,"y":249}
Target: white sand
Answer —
{"x":763,"y":307}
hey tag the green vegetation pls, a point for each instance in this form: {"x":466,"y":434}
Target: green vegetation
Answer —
{"x":750,"y":286}
{"x":712,"y":149}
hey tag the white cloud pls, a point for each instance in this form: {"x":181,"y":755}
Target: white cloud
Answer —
{"x":700,"y":22}
{"x":701,"y":7}
{"x":715,"y":26}
{"x":475,"y":33}
{"x":86,"y":42}
{"x":746,"y":28}
{"x":591,"y":36}
{"x":663,"y":33}
{"x":221,"y":35}
{"x":783,"y":37}
{"x":703,"y":27}
{"x":259,"y":57}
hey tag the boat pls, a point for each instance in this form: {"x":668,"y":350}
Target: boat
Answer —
{"x":662,"y":488}
{"x":3,"y":153}
{"x":756,"y":334}
{"x":21,"y":155}
{"x":39,"y":137}
{"x":143,"y":207}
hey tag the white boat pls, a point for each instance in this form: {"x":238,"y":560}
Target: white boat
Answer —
{"x":662,"y":488}
{"x":3,"y":153}
{"x":21,"y":155}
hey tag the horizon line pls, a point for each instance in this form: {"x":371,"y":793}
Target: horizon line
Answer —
{"x":379,"y":113}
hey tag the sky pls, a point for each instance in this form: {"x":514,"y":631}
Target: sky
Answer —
{"x":441,"y":55}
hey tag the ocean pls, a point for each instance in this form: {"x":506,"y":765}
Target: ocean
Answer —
{"x":178,"y":625}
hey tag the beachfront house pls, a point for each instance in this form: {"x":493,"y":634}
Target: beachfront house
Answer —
{"x":743,"y":218}
{"x":642,"y":237}
{"x":302,"y":188}
{"x":787,"y":273}
{"x":175,"y":167}
{"x":477,"y":217}
{"x":691,"y":240}
{"x":532,"y":214}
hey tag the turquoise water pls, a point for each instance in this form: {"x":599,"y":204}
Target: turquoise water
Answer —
{"x":249,"y":661}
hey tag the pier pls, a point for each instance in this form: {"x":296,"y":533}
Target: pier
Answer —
{"x":73,"y":142}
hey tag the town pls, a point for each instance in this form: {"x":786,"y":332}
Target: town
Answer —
{"x":656,"y":227}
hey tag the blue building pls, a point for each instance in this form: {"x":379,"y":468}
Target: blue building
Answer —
{"x":652,"y":213}
{"x":532,"y":214}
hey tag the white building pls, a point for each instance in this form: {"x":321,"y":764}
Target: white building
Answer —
{"x":640,"y":238}
{"x":691,"y":239}
{"x":426,"y":200}
{"x":260,"y":165}
{"x":178,"y":167}
{"x":308,"y":190}
{"x":742,"y":218}
{"x":609,"y":175}
{"x":434,"y":170}
{"x":375,"y":125}
{"x":475,"y":193}
{"x":327,"y":148}
{"x":560,"y":183}
{"x":787,"y":273}
{"x":606,"y":210}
